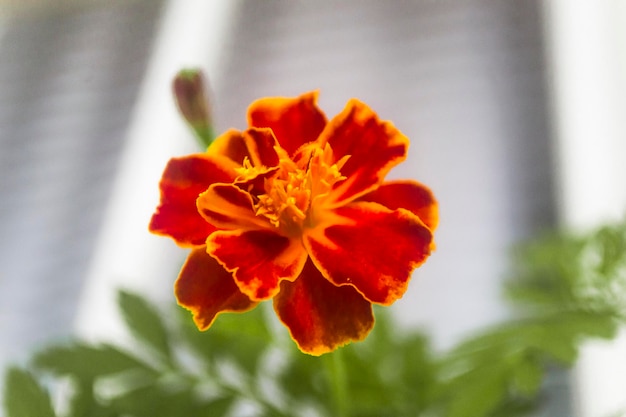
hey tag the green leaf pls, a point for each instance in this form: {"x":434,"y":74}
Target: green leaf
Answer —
{"x":480,"y":395}
{"x":243,"y":338}
{"x":304,"y":379}
{"x":166,"y":400}
{"x":150,"y":401}
{"x":220,"y":406}
{"x":87,"y":362}
{"x":24,"y":396}
{"x":559,"y":335}
{"x":145,"y":323}
{"x":527,"y":377}
{"x":83,"y":402}
{"x":417,"y":371}
{"x":389,"y":374}
{"x":610,"y":243}
{"x":546,"y":273}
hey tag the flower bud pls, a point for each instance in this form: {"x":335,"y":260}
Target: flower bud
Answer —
{"x":191,"y":98}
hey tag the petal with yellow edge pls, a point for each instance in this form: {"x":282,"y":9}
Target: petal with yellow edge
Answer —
{"x":410,"y":195}
{"x":261,"y":145}
{"x":206,"y":289}
{"x":371,"y":248}
{"x":258,"y":259}
{"x":373,"y":146}
{"x":182,"y":182}
{"x":228,"y":207}
{"x":294,"y":121}
{"x":231,"y":145}
{"x":321,"y":316}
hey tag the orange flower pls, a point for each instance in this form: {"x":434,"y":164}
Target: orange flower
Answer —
{"x":295,"y":209}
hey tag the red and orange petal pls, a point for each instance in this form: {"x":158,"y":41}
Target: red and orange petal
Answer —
{"x":294,"y":121}
{"x":409,"y":195}
{"x":226,"y":206}
{"x":321,"y":316}
{"x":261,"y":145}
{"x":373,"y":249}
{"x":258,"y":259}
{"x":373,"y":146}
{"x":182,"y":181}
{"x":231,"y":145}
{"x":255,"y":144}
{"x":206,"y":289}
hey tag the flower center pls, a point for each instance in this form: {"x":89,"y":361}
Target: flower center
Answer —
{"x":297,"y":188}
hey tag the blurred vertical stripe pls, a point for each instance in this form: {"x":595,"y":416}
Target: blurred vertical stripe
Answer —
{"x":68,"y":82}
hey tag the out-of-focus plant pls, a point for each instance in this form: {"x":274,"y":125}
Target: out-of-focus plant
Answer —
{"x":567,"y":289}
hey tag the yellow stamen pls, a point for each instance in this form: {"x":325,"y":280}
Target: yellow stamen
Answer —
{"x":290,"y":192}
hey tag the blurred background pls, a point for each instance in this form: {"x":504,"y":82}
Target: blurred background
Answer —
{"x":515,"y":111}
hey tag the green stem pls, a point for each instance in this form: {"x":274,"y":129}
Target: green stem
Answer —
{"x":338,"y":383}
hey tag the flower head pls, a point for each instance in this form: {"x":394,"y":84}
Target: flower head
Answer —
{"x":295,"y":209}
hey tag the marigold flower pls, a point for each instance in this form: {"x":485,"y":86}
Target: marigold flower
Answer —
{"x":295,"y":209}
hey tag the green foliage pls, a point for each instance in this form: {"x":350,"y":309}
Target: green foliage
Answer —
{"x":24,"y":396}
{"x":388,"y":374}
{"x":584,"y":272}
{"x":505,"y":367}
{"x":241,"y":341}
{"x":567,"y":289}
{"x":144,"y":322}
{"x":87,"y":362}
